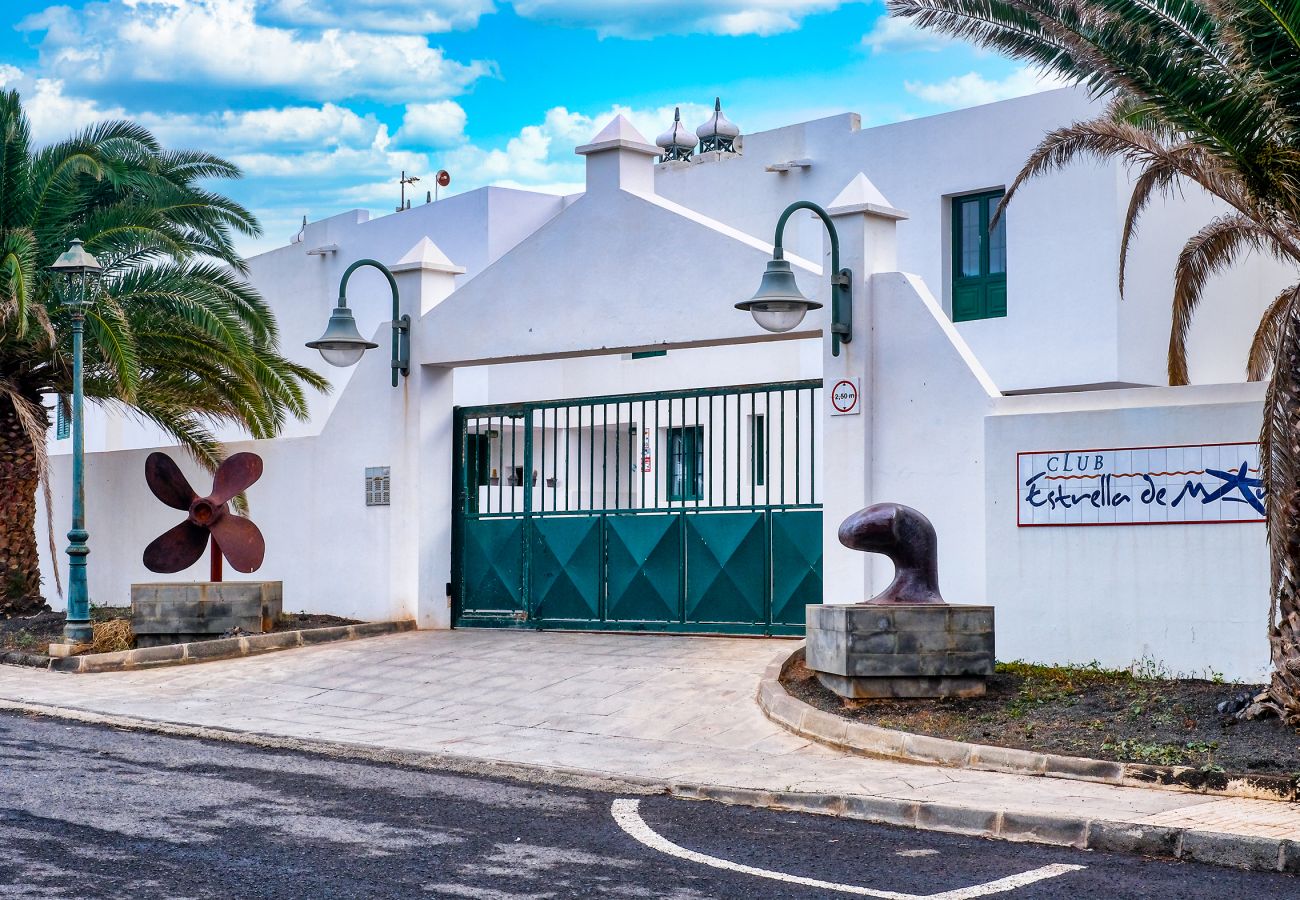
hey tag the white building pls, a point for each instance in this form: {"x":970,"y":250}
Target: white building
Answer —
{"x":669,"y":504}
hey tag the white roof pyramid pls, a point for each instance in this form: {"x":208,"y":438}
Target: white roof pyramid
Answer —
{"x":618,"y":133}
{"x":428,"y":257}
{"x":860,"y":195}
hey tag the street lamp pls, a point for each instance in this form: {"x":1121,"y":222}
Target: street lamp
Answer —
{"x":342,"y":345}
{"x":80,"y":272}
{"x":780,"y":306}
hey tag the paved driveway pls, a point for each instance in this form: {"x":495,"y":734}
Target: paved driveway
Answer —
{"x":668,"y":708}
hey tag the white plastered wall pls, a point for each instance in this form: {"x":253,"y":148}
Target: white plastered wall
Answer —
{"x":1192,"y":598}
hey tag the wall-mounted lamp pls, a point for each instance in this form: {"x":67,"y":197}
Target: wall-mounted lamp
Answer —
{"x":342,"y":344}
{"x":780,"y":306}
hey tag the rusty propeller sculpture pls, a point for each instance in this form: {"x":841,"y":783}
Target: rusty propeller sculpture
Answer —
{"x":235,"y":537}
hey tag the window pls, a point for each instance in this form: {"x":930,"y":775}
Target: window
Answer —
{"x":478,"y":471}
{"x":686,"y":463}
{"x":649,"y":354}
{"x":979,"y":258}
{"x":758,"y":449}
{"x":62,"y":419}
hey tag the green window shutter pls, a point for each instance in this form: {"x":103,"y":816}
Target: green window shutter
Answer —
{"x":979,"y":258}
{"x":649,"y":354}
{"x":62,"y":421}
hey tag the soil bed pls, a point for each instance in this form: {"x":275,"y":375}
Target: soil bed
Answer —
{"x":33,"y":634}
{"x":1084,"y":711}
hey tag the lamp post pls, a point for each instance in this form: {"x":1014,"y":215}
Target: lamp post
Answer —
{"x":780,"y":306}
{"x":342,"y":345}
{"x":80,"y":272}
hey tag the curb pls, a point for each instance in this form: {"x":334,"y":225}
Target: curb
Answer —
{"x":208,"y":651}
{"x":1212,"y":848}
{"x":807,"y":721}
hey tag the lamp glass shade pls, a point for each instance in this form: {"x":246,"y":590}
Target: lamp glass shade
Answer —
{"x":342,"y":356}
{"x":778,"y":305}
{"x":342,"y":345}
{"x":778,"y":316}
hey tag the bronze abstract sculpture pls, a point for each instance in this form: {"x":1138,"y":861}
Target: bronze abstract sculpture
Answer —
{"x":905,"y":536}
{"x":208,"y":518}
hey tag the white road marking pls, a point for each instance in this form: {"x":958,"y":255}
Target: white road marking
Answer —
{"x":916,"y":852}
{"x":628,"y":816}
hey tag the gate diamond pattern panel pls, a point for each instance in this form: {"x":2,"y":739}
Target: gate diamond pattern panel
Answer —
{"x":493,"y":566}
{"x":645,"y":562}
{"x":565,"y":568}
{"x":726,"y":567}
{"x":693,"y":510}
{"x":796,"y":564}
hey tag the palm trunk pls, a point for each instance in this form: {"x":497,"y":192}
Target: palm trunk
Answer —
{"x":20,"y":571}
{"x":1280,"y":458}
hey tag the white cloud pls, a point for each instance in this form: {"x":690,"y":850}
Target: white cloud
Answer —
{"x":410,"y":16}
{"x":284,"y":127}
{"x":437,"y":124}
{"x":541,"y":155}
{"x":972,"y":89}
{"x":53,"y":114}
{"x":645,"y":18}
{"x":891,"y":34}
{"x":221,"y":43}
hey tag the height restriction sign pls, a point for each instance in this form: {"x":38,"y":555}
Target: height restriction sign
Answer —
{"x":845,"y":397}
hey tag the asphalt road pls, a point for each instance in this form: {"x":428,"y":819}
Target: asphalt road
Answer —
{"x":96,"y":812}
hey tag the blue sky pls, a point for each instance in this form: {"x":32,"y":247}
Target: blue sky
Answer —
{"x":323,"y":102}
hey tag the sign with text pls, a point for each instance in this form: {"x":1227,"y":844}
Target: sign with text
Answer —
{"x":1193,"y":484}
{"x":845,"y":397}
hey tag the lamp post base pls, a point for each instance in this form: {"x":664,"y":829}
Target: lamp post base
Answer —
{"x":78,"y":631}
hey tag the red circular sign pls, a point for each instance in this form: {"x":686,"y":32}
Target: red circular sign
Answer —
{"x":444,"y":177}
{"x":844,"y":396}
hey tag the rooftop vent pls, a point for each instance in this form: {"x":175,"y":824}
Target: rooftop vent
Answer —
{"x":719,"y":133}
{"x":677,"y":142}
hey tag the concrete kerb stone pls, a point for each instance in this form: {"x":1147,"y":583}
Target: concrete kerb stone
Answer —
{"x":223,"y":648}
{"x":1235,"y":851}
{"x":1129,"y":837}
{"x":1254,"y":853}
{"x":827,"y":728}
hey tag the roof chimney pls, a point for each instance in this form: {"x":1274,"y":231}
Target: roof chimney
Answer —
{"x":620,"y":158}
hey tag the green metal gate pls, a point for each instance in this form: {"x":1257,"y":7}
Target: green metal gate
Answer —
{"x":690,"y":510}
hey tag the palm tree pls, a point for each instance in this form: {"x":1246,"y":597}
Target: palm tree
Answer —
{"x":1203,"y":92}
{"x":175,"y":336}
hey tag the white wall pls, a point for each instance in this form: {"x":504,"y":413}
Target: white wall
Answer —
{"x":333,"y":553}
{"x":1065,"y":325}
{"x":1191,"y":597}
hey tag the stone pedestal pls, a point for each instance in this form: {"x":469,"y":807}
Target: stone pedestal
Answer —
{"x":190,"y":611}
{"x":901,"y":651}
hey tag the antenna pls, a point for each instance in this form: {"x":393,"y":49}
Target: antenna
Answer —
{"x":404,"y":181}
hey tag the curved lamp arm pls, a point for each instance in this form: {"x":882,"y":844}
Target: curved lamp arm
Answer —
{"x":401,"y":324}
{"x":841,"y":279}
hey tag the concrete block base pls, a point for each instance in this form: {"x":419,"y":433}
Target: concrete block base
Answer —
{"x":174,"y":613}
{"x":901,"y":651}
{"x":914,"y":687}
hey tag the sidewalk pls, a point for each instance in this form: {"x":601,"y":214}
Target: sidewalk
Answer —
{"x":666,"y":709}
